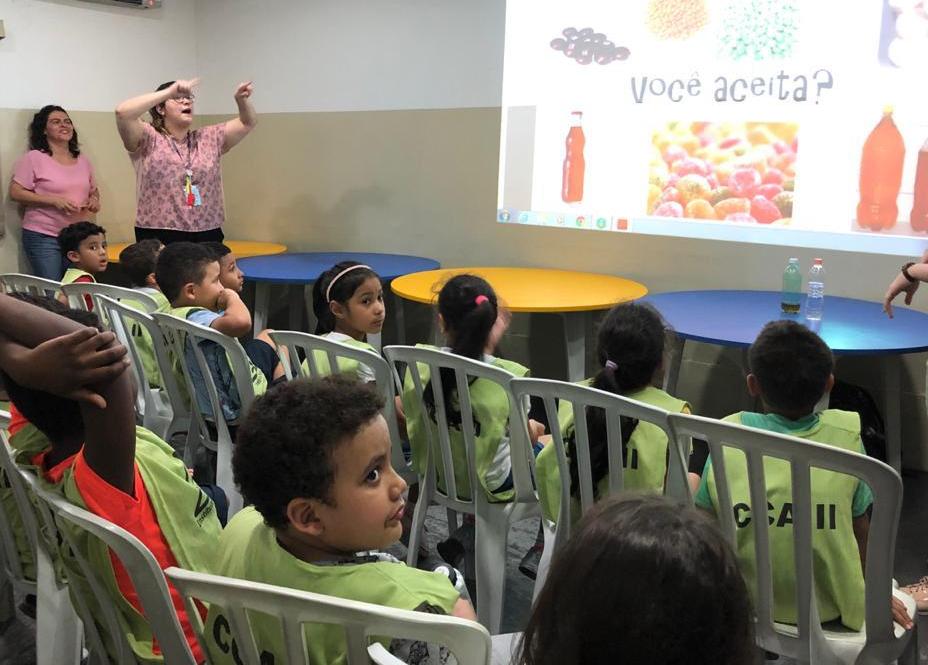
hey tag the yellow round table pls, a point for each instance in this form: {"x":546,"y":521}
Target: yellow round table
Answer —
{"x":534,"y":290}
{"x":241,"y":248}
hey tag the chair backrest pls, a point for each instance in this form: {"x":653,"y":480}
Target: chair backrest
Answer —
{"x":181,"y":335}
{"x":37,"y":286}
{"x":361,"y":622}
{"x":416,"y":359}
{"x":102,"y":626}
{"x":581,"y":398}
{"x":12,"y":565}
{"x":809,"y":644}
{"x":334,"y":351}
{"x":126,"y":322}
{"x":77,"y":290}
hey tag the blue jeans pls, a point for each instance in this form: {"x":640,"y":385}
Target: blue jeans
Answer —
{"x":44,"y":255}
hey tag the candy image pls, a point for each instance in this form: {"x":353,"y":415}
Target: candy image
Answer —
{"x":587,"y":46}
{"x":758,"y":29}
{"x":676,"y":19}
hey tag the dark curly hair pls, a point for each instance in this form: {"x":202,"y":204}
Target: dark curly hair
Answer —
{"x":792,"y":365}
{"x":56,"y":417}
{"x":181,"y":263}
{"x":38,"y":140}
{"x":71,"y":236}
{"x":646,"y":580}
{"x":139,"y":260}
{"x":631,"y":337}
{"x":285,"y":445}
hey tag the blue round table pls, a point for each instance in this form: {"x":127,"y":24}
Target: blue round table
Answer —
{"x":302,"y":269}
{"x":849,"y":327}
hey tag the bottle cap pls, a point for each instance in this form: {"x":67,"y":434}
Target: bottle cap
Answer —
{"x":818,"y":262}
{"x":793,"y":260}
{"x":888,"y":109}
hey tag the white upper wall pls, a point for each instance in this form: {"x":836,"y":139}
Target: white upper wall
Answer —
{"x":351,"y":55}
{"x":88,"y":57}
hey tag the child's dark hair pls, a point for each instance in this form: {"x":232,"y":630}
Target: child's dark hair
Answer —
{"x":468,"y":306}
{"x":181,"y":263}
{"x":56,"y":417}
{"x":630,"y":349}
{"x":38,"y":140}
{"x":646,"y":578}
{"x":139,"y":260}
{"x":71,"y":237}
{"x":792,"y":365}
{"x":339,"y":291}
{"x":285,"y":445}
{"x":217,"y":248}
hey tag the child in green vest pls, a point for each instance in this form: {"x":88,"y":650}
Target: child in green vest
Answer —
{"x":138,"y":261}
{"x":348,"y":304}
{"x":630,"y":350}
{"x":230,"y":275}
{"x":188,"y":274}
{"x":313,"y":461}
{"x":642,"y":579}
{"x":84,"y":245}
{"x":70,"y":382}
{"x":790,"y":370}
{"x":473,"y":324}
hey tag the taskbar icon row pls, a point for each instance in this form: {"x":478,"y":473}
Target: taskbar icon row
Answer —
{"x":563,"y":220}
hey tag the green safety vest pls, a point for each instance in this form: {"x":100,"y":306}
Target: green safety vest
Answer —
{"x":186,"y":516}
{"x":143,"y":341}
{"x":249,"y":550}
{"x":645,"y":458}
{"x":71,"y":275}
{"x":839,"y":580}
{"x":345,"y":365}
{"x":490,"y":404}
{"x":257,"y":377}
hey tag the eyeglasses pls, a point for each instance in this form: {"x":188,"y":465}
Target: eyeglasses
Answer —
{"x":188,"y":98}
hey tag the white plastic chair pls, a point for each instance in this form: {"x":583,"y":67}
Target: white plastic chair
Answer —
{"x":468,"y":641}
{"x":177,"y":331}
{"x":58,"y":632}
{"x":614,"y":406}
{"x":880,"y":641}
{"x":37,"y":286}
{"x":76,"y":291}
{"x":384,"y":378}
{"x":493,"y":520}
{"x":156,"y":410}
{"x":102,"y":625}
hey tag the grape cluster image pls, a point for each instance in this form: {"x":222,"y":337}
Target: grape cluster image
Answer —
{"x":587,"y":46}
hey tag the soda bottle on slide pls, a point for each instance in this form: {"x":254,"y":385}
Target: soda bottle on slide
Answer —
{"x":919,"y":217}
{"x":574,"y":163}
{"x":791,"y":297}
{"x":881,"y":175}
{"x":815,"y":297}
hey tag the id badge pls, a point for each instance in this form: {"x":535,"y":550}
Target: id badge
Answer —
{"x":197,"y":199}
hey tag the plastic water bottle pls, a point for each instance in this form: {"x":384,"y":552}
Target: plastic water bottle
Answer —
{"x":792,"y":288}
{"x":815,"y":298}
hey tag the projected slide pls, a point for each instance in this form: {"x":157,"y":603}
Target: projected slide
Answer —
{"x":773,"y":121}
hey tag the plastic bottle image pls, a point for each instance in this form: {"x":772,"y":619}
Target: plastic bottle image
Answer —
{"x":791,"y":298}
{"x":881,"y":175}
{"x":919,"y":217}
{"x":574,"y":163}
{"x":815,"y":298}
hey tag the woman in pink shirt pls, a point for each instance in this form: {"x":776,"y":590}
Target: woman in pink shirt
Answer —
{"x":55,"y":185}
{"x":177,"y":168}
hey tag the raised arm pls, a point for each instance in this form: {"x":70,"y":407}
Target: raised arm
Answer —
{"x":238,"y":128}
{"x":236,"y":319}
{"x":48,"y":352}
{"x":129,"y":113}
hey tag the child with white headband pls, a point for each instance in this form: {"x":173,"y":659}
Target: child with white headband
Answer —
{"x":348,"y":304}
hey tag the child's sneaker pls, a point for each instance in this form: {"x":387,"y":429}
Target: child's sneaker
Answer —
{"x":528,"y":566}
{"x":919,"y":592}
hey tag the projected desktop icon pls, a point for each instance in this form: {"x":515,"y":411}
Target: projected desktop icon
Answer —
{"x":602,"y":223}
{"x":523,"y":218}
{"x":503,"y":215}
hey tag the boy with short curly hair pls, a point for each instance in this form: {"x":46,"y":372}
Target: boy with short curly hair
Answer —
{"x":313,"y":460}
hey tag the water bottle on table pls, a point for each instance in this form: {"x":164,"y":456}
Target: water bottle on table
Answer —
{"x":791,"y":298}
{"x":815,"y":297}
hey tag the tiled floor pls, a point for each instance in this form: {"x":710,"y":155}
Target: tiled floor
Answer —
{"x":17,"y":638}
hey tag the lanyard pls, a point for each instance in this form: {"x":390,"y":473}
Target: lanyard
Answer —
{"x":190,"y":190}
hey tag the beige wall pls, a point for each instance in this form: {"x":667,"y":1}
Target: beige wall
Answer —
{"x":424,"y":182}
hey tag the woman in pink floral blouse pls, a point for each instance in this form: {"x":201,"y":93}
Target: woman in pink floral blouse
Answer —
{"x":178,"y":172}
